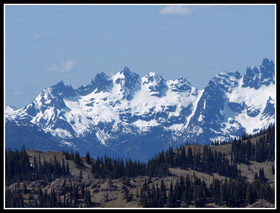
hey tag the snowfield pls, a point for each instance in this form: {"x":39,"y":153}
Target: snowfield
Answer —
{"x":125,"y":108}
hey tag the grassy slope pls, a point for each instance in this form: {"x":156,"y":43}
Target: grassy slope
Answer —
{"x":112,"y":197}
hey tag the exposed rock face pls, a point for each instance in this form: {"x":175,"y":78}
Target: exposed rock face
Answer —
{"x":261,"y":204}
{"x":128,"y":116}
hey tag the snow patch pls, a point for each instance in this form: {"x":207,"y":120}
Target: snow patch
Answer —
{"x":145,"y":125}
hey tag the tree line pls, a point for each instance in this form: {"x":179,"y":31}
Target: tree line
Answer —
{"x":262,"y":150}
{"x":78,"y":196}
{"x":19,"y":168}
{"x":208,"y":161}
{"x":193,"y":191}
{"x":232,"y":192}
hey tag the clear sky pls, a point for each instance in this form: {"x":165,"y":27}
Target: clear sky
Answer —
{"x":48,"y":43}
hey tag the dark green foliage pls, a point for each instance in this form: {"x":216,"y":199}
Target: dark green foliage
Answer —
{"x":77,"y":159}
{"x":261,"y":175}
{"x":87,"y":198}
{"x":127,"y":195}
{"x":88,"y":159}
{"x":115,"y":168}
{"x":81,"y":174}
{"x":233,"y":191}
{"x":272,"y":170}
{"x":208,"y":162}
{"x":171,"y":201}
{"x":230,"y":193}
{"x":125,"y":181}
{"x":263,"y":150}
{"x":14,"y":199}
{"x":154,"y":197}
{"x":250,"y":196}
{"x":19,"y":168}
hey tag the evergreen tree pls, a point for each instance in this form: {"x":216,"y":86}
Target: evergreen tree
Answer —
{"x":81,"y":174}
{"x":171,"y":197}
{"x":250,"y":197}
{"x":88,"y":159}
{"x":272,"y":170}
{"x":163,"y":196}
{"x":261,"y":174}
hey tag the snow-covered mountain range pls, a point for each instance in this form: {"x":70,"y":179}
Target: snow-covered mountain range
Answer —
{"x":126,"y":115}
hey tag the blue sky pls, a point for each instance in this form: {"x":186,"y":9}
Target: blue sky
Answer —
{"x":45,"y":44}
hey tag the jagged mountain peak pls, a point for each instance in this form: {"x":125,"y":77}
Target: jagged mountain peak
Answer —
{"x":154,"y":83}
{"x":125,"y":83}
{"x":251,"y":77}
{"x":229,"y":76}
{"x":126,"y":114}
{"x":225,"y":81}
{"x":100,"y":77}
{"x":268,"y":63}
{"x":125,"y":74}
{"x":59,"y":84}
{"x":255,"y":76}
{"x":9,"y":107}
{"x":267,"y":70}
{"x":152,"y":77}
{"x":126,"y":78}
{"x":10,"y":112}
{"x":60,"y":89}
{"x":179,"y":85}
{"x":126,"y":70}
{"x":101,"y":82}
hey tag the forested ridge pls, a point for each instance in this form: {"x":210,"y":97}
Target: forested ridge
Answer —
{"x":232,"y":191}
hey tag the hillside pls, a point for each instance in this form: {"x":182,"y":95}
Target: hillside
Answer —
{"x":84,"y":186}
